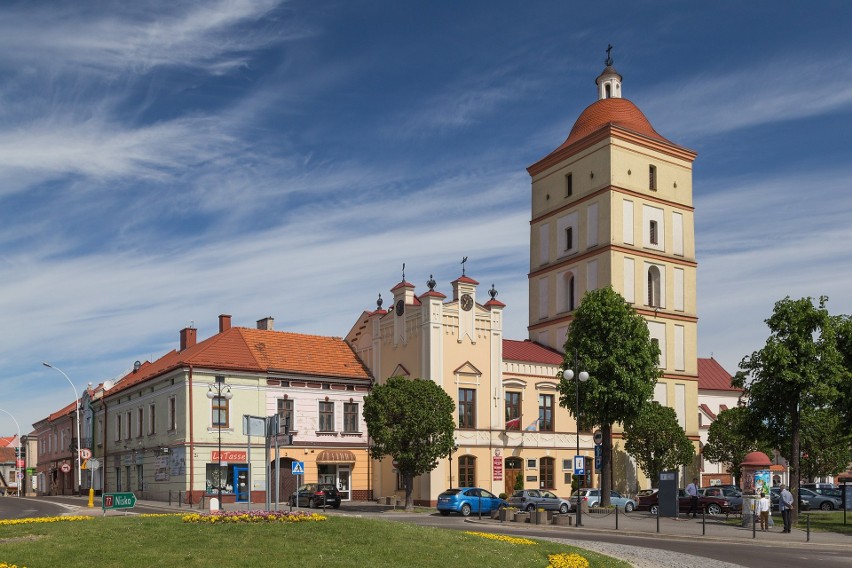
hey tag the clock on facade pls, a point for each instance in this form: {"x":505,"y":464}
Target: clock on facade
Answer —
{"x":466,"y":302}
{"x":400,"y":307}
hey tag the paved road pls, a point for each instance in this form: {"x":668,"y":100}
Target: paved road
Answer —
{"x":22,"y":508}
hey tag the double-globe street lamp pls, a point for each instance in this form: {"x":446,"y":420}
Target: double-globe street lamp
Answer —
{"x":77,"y":403}
{"x":217,"y":392}
{"x":19,"y":455}
{"x":582,"y":377}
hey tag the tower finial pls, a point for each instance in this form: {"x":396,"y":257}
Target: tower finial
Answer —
{"x":462,"y":263}
{"x":403,"y":272}
{"x":608,"y":61}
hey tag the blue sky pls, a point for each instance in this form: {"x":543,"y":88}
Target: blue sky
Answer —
{"x":165,"y":162}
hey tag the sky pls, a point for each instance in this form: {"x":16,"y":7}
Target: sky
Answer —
{"x":162,"y":163}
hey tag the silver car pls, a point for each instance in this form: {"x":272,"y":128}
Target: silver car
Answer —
{"x":593,"y":497}
{"x":532,"y":499}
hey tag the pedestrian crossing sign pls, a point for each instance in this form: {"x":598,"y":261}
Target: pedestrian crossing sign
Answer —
{"x":298,"y":468}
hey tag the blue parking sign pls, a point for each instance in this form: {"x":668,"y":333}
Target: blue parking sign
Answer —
{"x":598,"y":454}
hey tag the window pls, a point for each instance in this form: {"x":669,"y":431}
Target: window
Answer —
{"x":513,"y":410}
{"x":285,"y":414}
{"x":652,"y":232}
{"x":117,"y":427}
{"x":127,"y":423}
{"x":152,"y":420}
{"x":545,"y":412}
{"x":571,"y":294}
{"x":140,"y":416}
{"x":545,"y":473}
{"x":652,"y":178}
{"x":350,"y":417}
{"x":326,"y":416}
{"x":219,"y":408}
{"x":172,"y":414}
{"x":140,"y":479}
{"x":569,"y":185}
{"x":467,"y":409}
{"x":654,"y":287}
{"x":467,"y":471}
{"x":569,"y":238}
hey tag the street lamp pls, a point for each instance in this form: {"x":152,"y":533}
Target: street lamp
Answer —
{"x":77,"y":403}
{"x":452,"y":451}
{"x":20,"y":475}
{"x":220,"y":391}
{"x":581,"y":378}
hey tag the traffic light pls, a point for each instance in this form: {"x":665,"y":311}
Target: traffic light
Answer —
{"x":21,"y":452}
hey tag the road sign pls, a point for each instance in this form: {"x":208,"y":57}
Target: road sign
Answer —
{"x":85,"y":453}
{"x":598,"y":437}
{"x":579,"y":465}
{"x":298,"y":468}
{"x":84,"y":464}
{"x":94,"y":463}
{"x":66,"y":467}
{"x":118,"y":501}
{"x":598,"y":458}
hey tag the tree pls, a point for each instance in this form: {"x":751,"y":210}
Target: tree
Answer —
{"x":798,"y":368}
{"x":731,"y":437}
{"x":611,"y":342}
{"x":843,"y":324}
{"x":411,"y":421}
{"x":657,"y":442}
{"x":825,"y":443}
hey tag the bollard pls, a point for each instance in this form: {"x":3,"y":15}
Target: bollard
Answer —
{"x":616,"y":517}
{"x":170,"y":497}
{"x":704,"y":523}
{"x":658,"y":518}
{"x":753,"y":525}
{"x":808,"y":525}
{"x":180,"y":500}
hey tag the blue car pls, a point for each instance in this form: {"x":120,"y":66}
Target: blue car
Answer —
{"x":468,"y":500}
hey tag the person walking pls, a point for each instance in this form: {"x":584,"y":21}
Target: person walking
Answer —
{"x":763,"y":505}
{"x":785,"y":505}
{"x":692,"y":491}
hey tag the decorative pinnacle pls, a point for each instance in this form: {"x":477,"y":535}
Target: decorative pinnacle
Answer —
{"x":493,"y":292}
{"x":379,"y":302}
{"x":608,"y":61}
{"x":431,"y":283}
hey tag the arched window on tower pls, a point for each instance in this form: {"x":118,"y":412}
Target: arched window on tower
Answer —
{"x":567,"y":302}
{"x":654,"y":286}
{"x":607,"y":93}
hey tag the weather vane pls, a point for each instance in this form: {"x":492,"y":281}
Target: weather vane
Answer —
{"x":403,"y":272}
{"x":608,"y":61}
{"x":462,"y":263}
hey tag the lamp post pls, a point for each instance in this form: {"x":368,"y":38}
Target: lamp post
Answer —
{"x":77,"y":403}
{"x":452,"y":451}
{"x":18,"y":456}
{"x":220,"y":391}
{"x":582,"y":377}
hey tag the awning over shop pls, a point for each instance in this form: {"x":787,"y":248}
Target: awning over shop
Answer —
{"x":335,"y":456}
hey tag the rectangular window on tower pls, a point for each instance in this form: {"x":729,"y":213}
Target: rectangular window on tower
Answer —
{"x":569,"y":185}
{"x":653,"y":237}
{"x":569,"y":238}
{"x":652,"y":178}
{"x":467,"y":408}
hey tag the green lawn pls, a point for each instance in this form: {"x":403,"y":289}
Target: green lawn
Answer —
{"x":134,"y":541}
{"x":832,"y":522}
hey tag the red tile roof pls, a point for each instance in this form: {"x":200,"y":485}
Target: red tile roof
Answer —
{"x":6,"y":440}
{"x":711,"y":376}
{"x":530,"y":352}
{"x":7,"y":455}
{"x":466,"y":280}
{"x":707,"y":411}
{"x":258,"y":351}
{"x":618,"y":112}
{"x":65,"y":411}
{"x":403,"y":284}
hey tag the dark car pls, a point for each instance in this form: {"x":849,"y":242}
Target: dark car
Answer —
{"x":467,"y":500}
{"x":532,"y":499}
{"x":316,"y":495}
{"x":729,"y":492}
{"x":648,"y":500}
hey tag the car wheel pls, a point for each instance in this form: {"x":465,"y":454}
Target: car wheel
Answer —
{"x":530,"y":508}
{"x":655,"y":509}
{"x":563,"y":508}
{"x":714,"y":509}
{"x":311,"y":503}
{"x":444,"y":513}
{"x":826,"y":506}
{"x":465,"y":510}
{"x":628,"y":508}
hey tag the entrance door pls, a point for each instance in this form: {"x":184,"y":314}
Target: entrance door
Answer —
{"x":241,"y":484}
{"x":513,"y":467}
{"x":287,"y":483}
{"x":343,"y":476}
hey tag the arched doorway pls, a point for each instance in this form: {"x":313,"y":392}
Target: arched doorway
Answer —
{"x":513,"y":467}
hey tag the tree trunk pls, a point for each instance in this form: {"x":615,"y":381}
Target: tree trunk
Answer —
{"x":606,"y":467}
{"x":409,"y":490}
{"x":795,"y":473}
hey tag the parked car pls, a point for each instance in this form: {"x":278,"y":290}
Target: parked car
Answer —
{"x":468,"y":500}
{"x":817,"y":486}
{"x":822,"y":502}
{"x":729,"y":492}
{"x":774,"y":498}
{"x":316,"y":495}
{"x":593,"y":498}
{"x":648,"y":500}
{"x":531,"y":499}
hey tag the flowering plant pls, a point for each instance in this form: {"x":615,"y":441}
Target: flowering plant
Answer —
{"x":503,"y":538}
{"x":252,"y":517}
{"x":7,"y":522}
{"x":563,"y":560}
{"x":4,"y":565}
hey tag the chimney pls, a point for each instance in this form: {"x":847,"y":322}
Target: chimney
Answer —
{"x":224,"y":322}
{"x":187,"y":337}
{"x":266,"y":323}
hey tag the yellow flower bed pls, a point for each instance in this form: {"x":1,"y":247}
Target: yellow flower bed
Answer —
{"x":567,"y":561}
{"x":148,"y":515}
{"x":252,"y":517}
{"x":503,"y":538}
{"x":4,"y":565}
{"x":7,"y":522}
